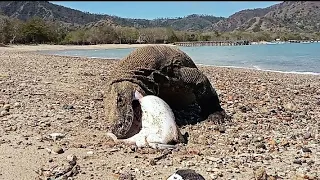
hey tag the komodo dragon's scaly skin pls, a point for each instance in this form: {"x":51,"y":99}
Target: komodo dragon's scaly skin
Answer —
{"x":163,"y":71}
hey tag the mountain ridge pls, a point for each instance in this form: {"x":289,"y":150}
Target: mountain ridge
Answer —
{"x":290,"y":16}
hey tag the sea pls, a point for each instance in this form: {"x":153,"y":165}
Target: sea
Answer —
{"x":299,"y":58}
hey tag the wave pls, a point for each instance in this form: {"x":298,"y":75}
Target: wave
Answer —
{"x":267,"y":70}
{"x":252,"y":68}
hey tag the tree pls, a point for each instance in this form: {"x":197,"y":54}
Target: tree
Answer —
{"x":172,"y":37}
{"x":6,"y":29}
{"x":35,"y":30}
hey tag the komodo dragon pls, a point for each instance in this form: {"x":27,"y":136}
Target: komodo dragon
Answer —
{"x":166,"y":72}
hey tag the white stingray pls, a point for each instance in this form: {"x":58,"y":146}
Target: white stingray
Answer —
{"x":158,"y":129}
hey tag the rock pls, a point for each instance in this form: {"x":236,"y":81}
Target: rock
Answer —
{"x":244,"y":109}
{"x":213,"y":159}
{"x":297,"y":161}
{"x":310,"y":162}
{"x":307,"y":135}
{"x":56,"y":136}
{"x":67,"y":106}
{"x":304,"y":149}
{"x":259,"y":139}
{"x":4,"y":113}
{"x":222,"y":129}
{"x":260,"y":174}
{"x":261,"y":146}
{"x":17,"y":105}
{"x":6,"y":107}
{"x":289,"y":107}
{"x":152,"y":162}
{"x":72,"y":159}
{"x":126,"y":176}
{"x":57,"y":150}
{"x":88,"y":116}
{"x":90,"y":152}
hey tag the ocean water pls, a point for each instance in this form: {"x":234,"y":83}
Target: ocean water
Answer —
{"x":288,"y":57}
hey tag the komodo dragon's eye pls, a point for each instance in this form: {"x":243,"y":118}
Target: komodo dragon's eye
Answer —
{"x":119,"y":100}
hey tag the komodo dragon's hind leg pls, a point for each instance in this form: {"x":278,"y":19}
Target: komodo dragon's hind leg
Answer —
{"x":206,"y":96}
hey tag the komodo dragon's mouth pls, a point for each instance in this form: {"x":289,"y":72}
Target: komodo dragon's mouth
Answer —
{"x":137,"y":122}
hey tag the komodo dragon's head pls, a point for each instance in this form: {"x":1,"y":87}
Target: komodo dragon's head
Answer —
{"x":122,"y":110}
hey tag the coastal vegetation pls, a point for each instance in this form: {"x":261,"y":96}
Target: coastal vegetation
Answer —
{"x":36,"y":30}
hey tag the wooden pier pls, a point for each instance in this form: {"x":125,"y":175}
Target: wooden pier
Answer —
{"x":213,"y":43}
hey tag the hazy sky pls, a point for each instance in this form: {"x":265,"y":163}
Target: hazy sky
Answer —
{"x":159,"y":9}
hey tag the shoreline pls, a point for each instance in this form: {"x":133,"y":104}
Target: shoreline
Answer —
{"x":45,"y":47}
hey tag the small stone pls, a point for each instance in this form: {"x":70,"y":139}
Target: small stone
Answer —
{"x":71,"y":157}
{"x":222,"y":129}
{"x":4,"y":113}
{"x":90,"y":152}
{"x":50,"y":160}
{"x":261,"y":146}
{"x":260,"y":173}
{"x":259,"y":139}
{"x":67,"y":106}
{"x":6,"y":107}
{"x":56,"y":136}
{"x":88,"y":116}
{"x":307,"y":135}
{"x":126,"y":176}
{"x":297,"y":161}
{"x":152,"y":162}
{"x":17,"y":105}
{"x":310,"y":162}
{"x":285,"y":143}
{"x":306,"y":150}
{"x":57,"y":150}
{"x":236,"y":170}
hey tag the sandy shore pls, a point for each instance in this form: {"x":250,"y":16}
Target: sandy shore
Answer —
{"x":41,"y":47}
{"x":275,"y":124}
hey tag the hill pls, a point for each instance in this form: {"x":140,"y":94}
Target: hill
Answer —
{"x":288,"y":16}
{"x":291,"y":16}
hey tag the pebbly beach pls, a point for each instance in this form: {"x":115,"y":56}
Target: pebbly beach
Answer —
{"x":52,"y":123}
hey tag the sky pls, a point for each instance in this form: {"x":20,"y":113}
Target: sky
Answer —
{"x":164,"y":9}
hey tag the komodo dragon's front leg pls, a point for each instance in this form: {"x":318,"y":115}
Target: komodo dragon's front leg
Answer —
{"x":207,"y":101}
{"x":206,"y":96}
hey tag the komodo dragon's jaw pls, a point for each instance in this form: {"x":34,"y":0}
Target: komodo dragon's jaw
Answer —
{"x":119,"y":102}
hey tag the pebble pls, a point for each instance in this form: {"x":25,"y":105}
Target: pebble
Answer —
{"x":307,"y":135}
{"x":297,"y":161}
{"x":222,"y":129}
{"x":72,"y":159}
{"x":17,"y":105}
{"x":6,"y":107}
{"x":90,"y":152}
{"x":56,"y":136}
{"x":260,"y":173}
{"x":67,"y":106}
{"x":4,"y":113}
{"x":306,"y":150}
{"x":261,"y":146}
{"x":57,"y":150}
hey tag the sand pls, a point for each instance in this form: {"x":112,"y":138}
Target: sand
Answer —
{"x":274,"y":129}
{"x":41,"y":47}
